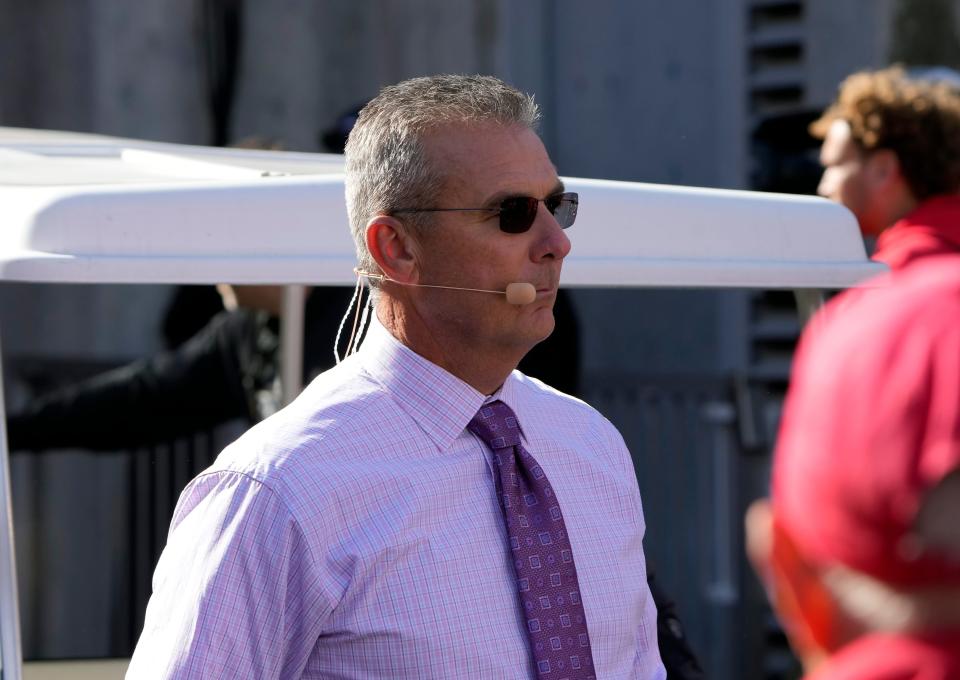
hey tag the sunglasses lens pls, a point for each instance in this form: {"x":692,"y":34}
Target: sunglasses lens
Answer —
{"x":563,"y":207}
{"x":517,"y":214}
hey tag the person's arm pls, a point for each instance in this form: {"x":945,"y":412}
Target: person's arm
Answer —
{"x":236,"y":592}
{"x":178,"y":392}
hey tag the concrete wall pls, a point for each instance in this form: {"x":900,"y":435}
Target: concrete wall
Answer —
{"x":129,"y":69}
{"x":843,"y":37}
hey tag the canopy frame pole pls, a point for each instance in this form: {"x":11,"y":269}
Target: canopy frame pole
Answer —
{"x":809,"y":301}
{"x":11,"y":660}
{"x":291,"y":342}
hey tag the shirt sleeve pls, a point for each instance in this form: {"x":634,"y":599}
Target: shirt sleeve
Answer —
{"x":236,"y":593}
{"x":620,"y":454}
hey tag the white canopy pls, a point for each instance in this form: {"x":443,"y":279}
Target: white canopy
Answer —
{"x":94,"y":209}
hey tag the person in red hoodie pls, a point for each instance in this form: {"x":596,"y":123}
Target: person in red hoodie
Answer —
{"x":859,"y":545}
{"x":891,"y":154}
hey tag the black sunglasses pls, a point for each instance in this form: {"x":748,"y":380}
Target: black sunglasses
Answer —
{"x":517,"y":213}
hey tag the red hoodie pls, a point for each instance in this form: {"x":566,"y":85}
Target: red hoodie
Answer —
{"x":932,"y":228}
{"x":894,"y":657}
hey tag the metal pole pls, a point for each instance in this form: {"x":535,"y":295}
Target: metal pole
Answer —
{"x":809,"y":300}
{"x":722,"y":589}
{"x":11,"y":660}
{"x":291,"y":342}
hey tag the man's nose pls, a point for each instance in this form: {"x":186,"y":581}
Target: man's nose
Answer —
{"x":825,"y":187}
{"x":556,"y":243}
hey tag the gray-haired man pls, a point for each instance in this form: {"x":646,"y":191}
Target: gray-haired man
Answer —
{"x":423,"y":510}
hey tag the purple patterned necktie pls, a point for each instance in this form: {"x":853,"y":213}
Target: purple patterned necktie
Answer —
{"x":540,"y":549}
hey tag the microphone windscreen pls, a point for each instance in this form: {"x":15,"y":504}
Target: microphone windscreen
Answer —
{"x":521,"y":293}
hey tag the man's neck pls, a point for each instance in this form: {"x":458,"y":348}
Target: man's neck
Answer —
{"x":484,"y":371}
{"x":901,"y":204}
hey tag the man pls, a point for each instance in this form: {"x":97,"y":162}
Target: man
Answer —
{"x":891,"y":154}
{"x":422,"y":510}
{"x":860,"y":547}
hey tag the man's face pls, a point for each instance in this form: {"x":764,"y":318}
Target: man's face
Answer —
{"x":484,"y":164}
{"x":847,"y":177}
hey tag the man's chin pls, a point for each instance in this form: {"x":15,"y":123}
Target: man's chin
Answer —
{"x":540,"y":332}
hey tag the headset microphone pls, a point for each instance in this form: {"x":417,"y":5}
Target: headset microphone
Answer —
{"x":518,"y":293}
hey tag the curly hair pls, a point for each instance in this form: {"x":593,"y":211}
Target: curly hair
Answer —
{"x":918,"y":120}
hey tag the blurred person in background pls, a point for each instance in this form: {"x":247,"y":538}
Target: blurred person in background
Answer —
{"x":891,"y":154}
{"x":226,"y":370}
{"x":859,"y":546}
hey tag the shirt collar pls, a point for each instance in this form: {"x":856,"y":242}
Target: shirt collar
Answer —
{"x":509,"y":394}
{"x":439,"y":402}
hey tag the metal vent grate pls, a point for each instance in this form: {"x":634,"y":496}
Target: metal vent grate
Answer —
{"x":777,"y":88}
{"x":776,"y":56}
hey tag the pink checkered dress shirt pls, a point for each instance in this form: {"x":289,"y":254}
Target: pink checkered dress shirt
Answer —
{"x":356,"y":534}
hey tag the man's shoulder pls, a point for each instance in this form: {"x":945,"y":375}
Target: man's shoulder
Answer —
{"x":918,"y":288}
{"x":534,"y":388}
{"x":555,"y":421}
{"x":336,"y":399}
{"x":337,"y":416}
{"x":565,"y":407}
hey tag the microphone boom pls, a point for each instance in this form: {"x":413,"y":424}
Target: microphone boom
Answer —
{"x":517,"y":293}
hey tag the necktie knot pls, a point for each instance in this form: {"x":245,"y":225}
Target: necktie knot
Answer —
{"x":496,"y":424}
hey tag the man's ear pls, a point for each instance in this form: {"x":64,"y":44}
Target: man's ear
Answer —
{"x":884,"y":167}
{"x":393,"y":248}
